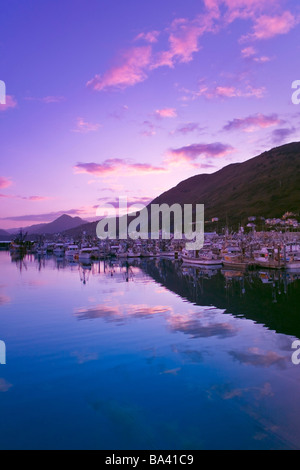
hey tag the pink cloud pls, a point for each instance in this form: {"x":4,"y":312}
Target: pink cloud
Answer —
{"x":116,"y":165}
{"x":83,"y":127}
{"x":132,"y":70}
{"x":10,"y":103}
{"x":188,"y":128}
{"x":262,"y":59}
{"x":267,"y":27}
{"x":243,"y":9}
{"x":191,"y":153}
{"x":166,"y":113}
{"x":230,"y":92}
{"x":248,"y":52}
{"x":184,"y":38}
{"x":4,"y":182}
{"x":252,"y":123}
{"x":150,"y":37}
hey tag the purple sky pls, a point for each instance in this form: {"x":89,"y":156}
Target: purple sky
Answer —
{"x":115,"y":98}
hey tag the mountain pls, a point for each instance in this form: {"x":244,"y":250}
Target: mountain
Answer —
{"x":4,"y":236}
{"x":63,"y":223}
{"x":267,"y":186}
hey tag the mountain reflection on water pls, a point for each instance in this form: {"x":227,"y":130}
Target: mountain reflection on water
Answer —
{"x":268,"y":297}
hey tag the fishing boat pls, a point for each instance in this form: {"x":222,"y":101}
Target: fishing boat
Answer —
{"x":72,"y":251}
{"x":59,"y":249}
{"x":268,"y":257}
{"x":19,"y":244}
{"x":293,"y":262}
{"x":205,"y":258}
{"x":232,"y":257}
{"x":87,"y":254}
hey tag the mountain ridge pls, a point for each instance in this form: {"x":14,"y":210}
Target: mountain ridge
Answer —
{"x":267,"y":185}
{"x":59,"y":225}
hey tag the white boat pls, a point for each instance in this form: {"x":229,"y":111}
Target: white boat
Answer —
{"x":235,"y":261}
{"x":59,"y":249}
{"x":72,"y":251}
{"x":293,"y":262}
{"x":201,"y":259}
{"x":86,"y":254}
{"x":49,"y":247}
{"x":269,"y":258}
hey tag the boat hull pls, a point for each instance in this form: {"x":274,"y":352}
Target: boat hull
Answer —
{"x":201,"y":262}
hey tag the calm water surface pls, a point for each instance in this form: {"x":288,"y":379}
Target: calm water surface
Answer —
{"x":147,"y":356}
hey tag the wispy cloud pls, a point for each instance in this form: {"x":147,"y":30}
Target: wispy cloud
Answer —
{"x":191,"y":153}
{"x":184,"y":38}
{"x":188,"y":128}
{"x":253,"y":123}
{"x":26,"y":198}
{"x":225,"y":92}
{"x":281,"y":134}
{"x":49,"y":216}
{"x":149,"y":129}
{"x":151,"y":37}
{"x":131,"y":70}
{"x":84,"y":127}
{"x":250,"y":53}
{"x":47,"y":99}
{"x":116,"y":165}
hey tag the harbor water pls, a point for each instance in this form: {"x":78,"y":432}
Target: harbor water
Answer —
{"x":147,"y":354}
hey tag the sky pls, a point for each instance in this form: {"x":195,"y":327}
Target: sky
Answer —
{"x":109,"y":99}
